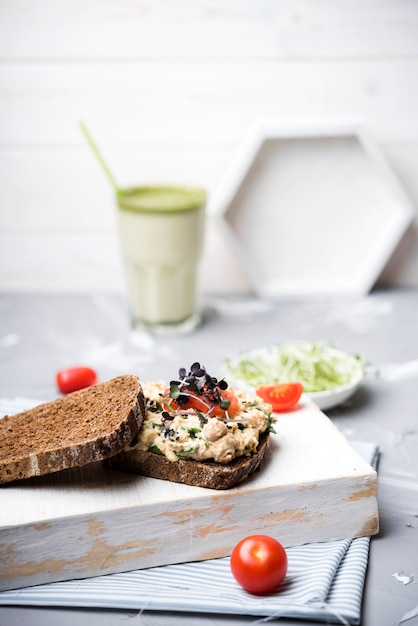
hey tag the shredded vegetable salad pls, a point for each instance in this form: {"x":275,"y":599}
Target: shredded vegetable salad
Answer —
{"x":317,"y":366}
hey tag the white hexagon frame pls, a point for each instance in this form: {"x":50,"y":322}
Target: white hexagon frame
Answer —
{"x":311,"y":210}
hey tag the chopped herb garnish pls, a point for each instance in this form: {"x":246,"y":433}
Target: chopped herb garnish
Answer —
{"x":270,"y":421}
{"x":184,"y":454}
{"x":155,"y":449}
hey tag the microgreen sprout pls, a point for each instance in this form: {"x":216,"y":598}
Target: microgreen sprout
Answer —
{"x":197,"y":383}
{"x":225,"y":403}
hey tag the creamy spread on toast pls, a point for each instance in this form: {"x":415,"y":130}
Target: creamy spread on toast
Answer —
{"x":183,"y":431}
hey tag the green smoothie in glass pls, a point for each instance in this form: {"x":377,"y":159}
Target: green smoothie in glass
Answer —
{"x":161,"y":233}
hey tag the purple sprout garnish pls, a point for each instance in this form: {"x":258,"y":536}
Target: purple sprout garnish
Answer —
{"x":198,"y":383}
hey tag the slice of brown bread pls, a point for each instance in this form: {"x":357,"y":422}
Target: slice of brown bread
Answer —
{"x":76,"y":429}
{"x":199,"y":474}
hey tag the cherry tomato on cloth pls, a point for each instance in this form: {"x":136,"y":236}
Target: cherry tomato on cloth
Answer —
{"x":259,"y":563}
{"x":281,"y":396}
{"x":75,"y":378}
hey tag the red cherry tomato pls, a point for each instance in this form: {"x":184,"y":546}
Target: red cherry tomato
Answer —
{"x":74,"y":378}
{"x":259,"y":563}
{"x":282,"y":396}
{"x":203,"y":403}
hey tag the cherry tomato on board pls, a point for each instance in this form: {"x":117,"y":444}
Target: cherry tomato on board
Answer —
{"x":281,"y":396}
{"x":75,"y":378}
{"x":203,"y":403}
{"x":259,"y":563}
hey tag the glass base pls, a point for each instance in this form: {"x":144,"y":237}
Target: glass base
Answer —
{"x":171,"y":328}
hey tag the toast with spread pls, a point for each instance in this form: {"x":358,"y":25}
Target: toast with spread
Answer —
{"x":198,"y":432}
{"x":195,"y":431}
{"x":79,"y":428}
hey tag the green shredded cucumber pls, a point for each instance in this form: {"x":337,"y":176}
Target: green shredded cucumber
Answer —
{"x":317,"y":366}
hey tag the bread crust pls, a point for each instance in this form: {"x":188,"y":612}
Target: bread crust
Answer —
{"x":71,"y":431}
{"x":190,"y":472}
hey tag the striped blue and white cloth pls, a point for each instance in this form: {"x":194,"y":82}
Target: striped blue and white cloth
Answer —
{"x":324,"y":581}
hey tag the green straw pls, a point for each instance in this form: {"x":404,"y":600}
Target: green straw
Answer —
{"x":95,"y":149}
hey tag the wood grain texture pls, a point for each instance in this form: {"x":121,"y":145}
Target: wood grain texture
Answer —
{"x":312,"y":487}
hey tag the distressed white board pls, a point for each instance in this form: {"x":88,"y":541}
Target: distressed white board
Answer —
{"x":79,"y":523}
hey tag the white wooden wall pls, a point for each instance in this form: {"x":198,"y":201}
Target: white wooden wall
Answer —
{"x":168,"y":88}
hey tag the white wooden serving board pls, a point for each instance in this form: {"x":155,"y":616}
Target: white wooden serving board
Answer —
{"x":80,"y":523}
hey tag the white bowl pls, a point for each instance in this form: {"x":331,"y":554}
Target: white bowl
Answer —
{"x":323,"y":399}
{"x":329,"y":399}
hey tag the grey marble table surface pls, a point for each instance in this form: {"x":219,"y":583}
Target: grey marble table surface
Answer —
{"x":41,"y":333}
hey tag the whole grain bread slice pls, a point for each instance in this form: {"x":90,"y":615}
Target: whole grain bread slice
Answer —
{"x":73,"y":430}
{"x":190,"y":472}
